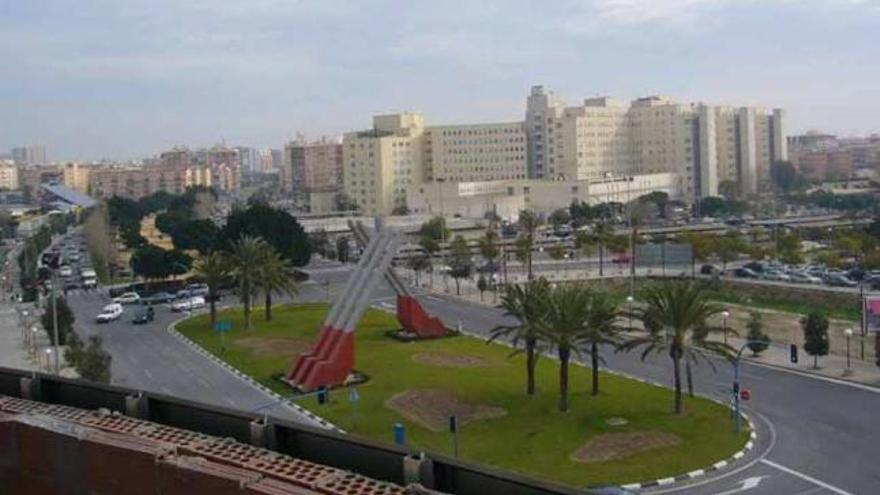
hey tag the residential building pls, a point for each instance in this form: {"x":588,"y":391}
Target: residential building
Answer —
{"x":475,"y":152}
{"x":138,"y":182}
{"x":250,"y":159}
{"x":705,"y":145}
{"x":76,"y":176}
{"x":824,"y":165}
{"x":31,"y":177}
{"x":313,"y":173}
{"x":29,"y":155}
{"x":8,"y":177}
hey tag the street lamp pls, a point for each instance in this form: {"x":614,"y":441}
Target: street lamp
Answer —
{"x":724,"y":315}
{"x":848,"y":371}
{"x":629,"y":301}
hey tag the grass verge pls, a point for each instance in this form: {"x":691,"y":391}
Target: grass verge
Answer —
{"x":532,"y":438}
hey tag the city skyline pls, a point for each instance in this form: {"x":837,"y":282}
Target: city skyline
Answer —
{"x":127,"y":81}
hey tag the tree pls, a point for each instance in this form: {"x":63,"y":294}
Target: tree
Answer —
{"x":460,"y":263}
{"x":602,"y":327}
{"x":245,"y":270}
{"x":65,"y":320}
{"x":557,"y":254}
{"x":91,"y":362}
{"x":482,"y":285}
{"x":784,"y":176}
{"x":344,"y":203}
{"x":431,"y":247}
{"x":559,"y":218}
{"x":434,"y":229}
{"x":213,"y":268}
{"x":418,"y":263}
{"x":816,"y":343}
{"x":276,"y":227}
{"x":177,"y":262}
{"x":672,"y":313}
{"x":528,"y":223}
{"x":758,"y":341}
{"x":602,"y":233}
{"x":342,"y":249}
{"x":275,"y":277}
{"x":525,"y":304}
{"x":563,"y":326}
{"x":148,"y":261}
{"x":489,"y":248}
{"x":728,"y":247}
{"x":200,"y":235}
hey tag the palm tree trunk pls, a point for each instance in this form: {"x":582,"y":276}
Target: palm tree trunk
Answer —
{"x":531,"y":358}
{"x":601,"y":259}
{"x":530,"y":261}
{"x":563,"y":379}
{"x":594,"y":351}
{"x":676,"y":369}
{"x":457,"y":286}
{"x":213,"y":306}
{"x":268,"y":305}
{"x":689,"y":377}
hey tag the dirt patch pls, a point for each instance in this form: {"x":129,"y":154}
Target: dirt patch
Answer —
{"x":432,"y":408}
{"x":449,"y":360}
{"x":612,"y":446}
{"x":269,"y":346}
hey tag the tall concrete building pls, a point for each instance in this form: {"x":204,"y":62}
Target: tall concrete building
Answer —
{"x":312,"y":173}
{"x":704,"y":145}
{"x":250,"y":159}
{"x":8,"y":177}
{"x":29,"y":155}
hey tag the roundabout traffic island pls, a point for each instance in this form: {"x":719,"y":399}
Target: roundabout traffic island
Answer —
{"x":613,"y":446}
{"x":450,"y":360}
{"x":432,"y":408}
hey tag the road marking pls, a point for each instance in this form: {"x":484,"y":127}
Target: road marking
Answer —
{"x":147,"y":372}
{"x":746,"y":484}
{"x":805,"y":477}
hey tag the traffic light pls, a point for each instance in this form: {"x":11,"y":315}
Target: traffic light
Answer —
{"x":794,"y":353}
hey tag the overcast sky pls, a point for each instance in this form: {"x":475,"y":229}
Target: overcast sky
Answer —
{"x":129,"y":78}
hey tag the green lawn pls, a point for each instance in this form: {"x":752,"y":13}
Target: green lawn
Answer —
{"x":533,"y":438}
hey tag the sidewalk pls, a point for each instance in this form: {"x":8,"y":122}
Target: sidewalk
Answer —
{"x":777,"y":355}
{"x":13,"y":351}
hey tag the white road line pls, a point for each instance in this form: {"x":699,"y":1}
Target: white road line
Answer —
{"x":805,"y":477}
{"x":147,"y":372}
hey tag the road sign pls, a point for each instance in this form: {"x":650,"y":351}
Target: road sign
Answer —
{"x":223,"y":326}
{"x":744,"y":394}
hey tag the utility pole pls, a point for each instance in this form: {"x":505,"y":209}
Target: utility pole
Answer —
{"x":57,"y":365}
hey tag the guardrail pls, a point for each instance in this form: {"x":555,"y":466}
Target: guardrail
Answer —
{"x":385,"y":462}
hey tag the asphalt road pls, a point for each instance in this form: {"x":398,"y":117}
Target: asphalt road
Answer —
{"x":147,"y":357}
{"x":815,"y":436}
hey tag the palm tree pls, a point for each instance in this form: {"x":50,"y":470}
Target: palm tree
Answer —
{"x":274,"y":276}
{"x":529,"y":222}
{"x":675,"y":315}
{"x":525,"y":303}
{"x":602,"y":233}
{"x":214,"y":269}
{"x":563,"y":326}
{"x":245,"y":269}
{"x":602,"y":327}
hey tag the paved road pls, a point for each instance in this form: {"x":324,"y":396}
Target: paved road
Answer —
{"x":815,"y":436}
{"x":147,"y":357}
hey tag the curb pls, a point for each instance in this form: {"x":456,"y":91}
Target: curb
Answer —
{"x":172,"y":329}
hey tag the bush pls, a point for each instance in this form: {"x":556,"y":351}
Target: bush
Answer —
{"x":65,"y":321}
{"x":758,"y":340}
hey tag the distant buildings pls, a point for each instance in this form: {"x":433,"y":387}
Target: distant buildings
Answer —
{"x":698,"y":147}
{"x":8,"y":177}
{"x":29,"y":155}
{"x":312,"y":173}
{"x":823,"y":157}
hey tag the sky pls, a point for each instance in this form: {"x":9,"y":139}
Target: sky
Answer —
{"x":122,"y":79}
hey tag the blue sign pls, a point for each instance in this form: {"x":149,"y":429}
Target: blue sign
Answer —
{"x":353,"y":396}
{"x":223,"y":326}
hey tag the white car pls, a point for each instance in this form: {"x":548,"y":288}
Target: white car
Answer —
{"x":89,"y":283}
{"x":804,"y":278}
{"x":109,"y":313}
{"x":777,"y":276}
{"x":128,"y":298}
{"x":188,"y":304}
{"x":65,"y":271}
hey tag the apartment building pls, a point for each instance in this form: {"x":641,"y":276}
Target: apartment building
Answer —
{"x":8,"y":176}
{"x":138,"y":182}
{"x":476,"y":152}
{"x":29,"y":155}
{"x":379,"y":164}
{"x":703,"y":144}
{"x":312,"y":173}
{"x":76,"y":176}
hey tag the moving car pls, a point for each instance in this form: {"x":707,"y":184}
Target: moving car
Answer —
{"x":144,"y":316}
{"x":745,"y":273}
{"x":188,"y":304}
{"x":622,"y":258}
{"x":65,"y":271}
{"x":109,"y":313}
{"x":711,"y":270}
{"x":128,"y":298}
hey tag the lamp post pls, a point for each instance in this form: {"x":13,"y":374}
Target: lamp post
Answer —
{"x":724,"y":315}
{"x":629,"y":301}
{"x":736,"y":390}
{"x":848,"y":371}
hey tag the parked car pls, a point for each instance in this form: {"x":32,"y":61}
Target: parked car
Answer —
{"x":755,"y":266}
{"x":804,"y":278}
{"x":837,"y":280}
{"x":197,"y":289}
{"x":776,"y":275}
{"x":745,"y":273}
{"x":109,"y":313}
{"x":622,"y":258}
{"x":89,"y":283}
{"x":128,"y":298}
{"x":158,"y":298}
{"x":188,"y":304}
{"x":711,"y":270}
{"x":65,"y":271}
{"x":144,"y":316}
